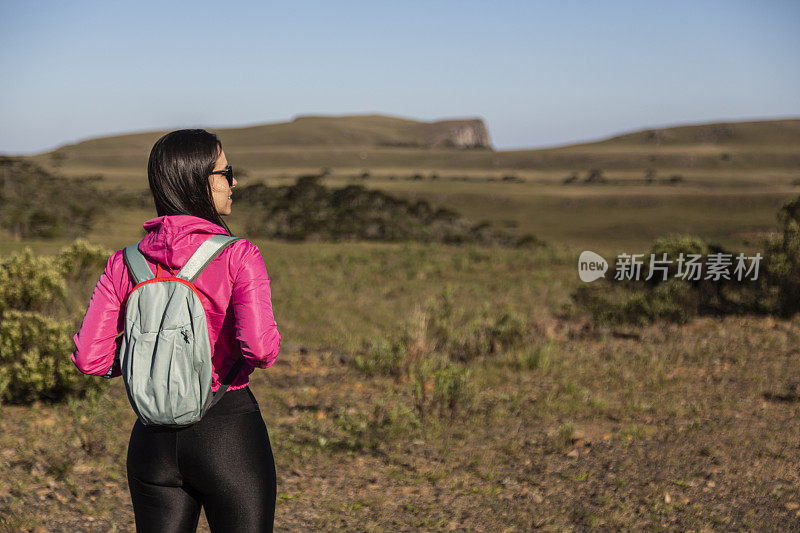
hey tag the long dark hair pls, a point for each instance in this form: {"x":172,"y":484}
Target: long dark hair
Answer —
{"x":178,"y":169}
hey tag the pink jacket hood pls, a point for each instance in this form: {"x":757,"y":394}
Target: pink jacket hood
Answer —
{"x":234,"y":289}
{"x":172,"y":239}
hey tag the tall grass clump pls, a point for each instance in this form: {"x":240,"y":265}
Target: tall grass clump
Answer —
{"x":461,"y":335}
{"x":442,"y":388}
{"x":464,"y":334}
{"x":433,"y":349}
{"x":389,"y":419}
{"x":535,"y":356}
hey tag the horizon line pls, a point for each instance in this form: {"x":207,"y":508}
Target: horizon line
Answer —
{"x":734,"y":120}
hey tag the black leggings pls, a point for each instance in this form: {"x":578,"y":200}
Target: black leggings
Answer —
{"x":222,"y":463}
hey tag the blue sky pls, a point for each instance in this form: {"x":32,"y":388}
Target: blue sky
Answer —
{"x":538,"y":73}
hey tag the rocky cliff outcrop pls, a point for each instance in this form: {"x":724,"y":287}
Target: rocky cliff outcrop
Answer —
{"x":459,"y":134}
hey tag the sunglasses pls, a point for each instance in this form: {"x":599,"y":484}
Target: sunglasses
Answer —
{"x":228,"y":174}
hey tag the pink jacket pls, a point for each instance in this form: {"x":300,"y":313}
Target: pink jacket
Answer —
{"x":234,"y":289}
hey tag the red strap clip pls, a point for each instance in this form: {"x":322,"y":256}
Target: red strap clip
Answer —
{"x":159,"y":270}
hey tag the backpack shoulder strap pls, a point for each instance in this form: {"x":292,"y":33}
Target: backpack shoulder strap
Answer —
{"x":204,"y":254}
{"x":137,"y":263}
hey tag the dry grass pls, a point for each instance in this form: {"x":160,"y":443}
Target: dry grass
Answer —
{"x":682,"y":427}
{"x":685,"y":428}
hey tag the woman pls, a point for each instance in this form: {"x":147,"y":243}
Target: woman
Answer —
{"x":224,"y":462}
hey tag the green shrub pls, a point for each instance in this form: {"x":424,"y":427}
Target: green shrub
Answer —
{"x":673,"y":245}
{"x":81,"y":264}
{"x":562,"y":438}
{"x":676,"y":299}
{"x":452,"y":388}
{"x":673,"y":300}
{"x":724,"y":296}
{"x":783,"y":268}
{"x":308,"y":210}
{"x":29,"y":282}
{"x":33,"y":203}
{"x":508,"y":328}
{"x":34,"y":359}
{"x":37,"y":322}
{"x":81,"y":259}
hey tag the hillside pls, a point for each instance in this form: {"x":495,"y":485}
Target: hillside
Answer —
{"x":355,"y":130}
{"x":760,"y":133}
{"x":374,"y":142}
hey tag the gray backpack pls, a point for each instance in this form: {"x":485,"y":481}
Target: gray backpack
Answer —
{"x":165,"y":355}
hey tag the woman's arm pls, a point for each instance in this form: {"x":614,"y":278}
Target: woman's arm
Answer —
{"x":256,"y":330}
{"x":98,"y":341}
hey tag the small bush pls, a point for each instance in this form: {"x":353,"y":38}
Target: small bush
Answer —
{"x":381,"y":356}
{"x":595,"y":175}
{"x":388,"y":420}
{"x":565,"y":433}
{"x":783,"y":269}
{"x":34,"y":359}
{"x":81,"y":259}
{"x":442,"y":388}
{"x":561,"y":439}
{"x":37,"y":323}
{"x":29,"y":282}
{"x":486,"y":333}
{"x":33,"y":203}
{"x":676,"y":298}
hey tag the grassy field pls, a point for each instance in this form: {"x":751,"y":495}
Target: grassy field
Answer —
{"x":576,"y":427}
{"x":683,"y":427}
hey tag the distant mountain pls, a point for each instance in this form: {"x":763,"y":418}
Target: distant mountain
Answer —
{"x":719,"y":145}
{"x":374,"y":142}
{"x":353,"y":130}
{"x":772,"y":132}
